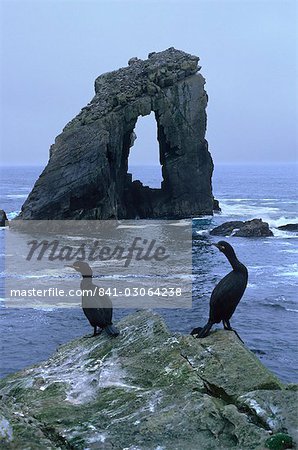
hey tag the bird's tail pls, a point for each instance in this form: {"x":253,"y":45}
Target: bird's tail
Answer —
{"x":111,"y":330}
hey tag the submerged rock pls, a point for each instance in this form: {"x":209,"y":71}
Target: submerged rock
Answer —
{"x":3,"y":218}
{"x":216,"y":206}
{"x":249,"y":228}
{"x":145,"y":390}
{"x":289,"y":227}
{"x":87,"y":173}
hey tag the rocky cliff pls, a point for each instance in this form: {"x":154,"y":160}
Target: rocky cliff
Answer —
{"x":87,"y":173}
{"x":148,"y":390}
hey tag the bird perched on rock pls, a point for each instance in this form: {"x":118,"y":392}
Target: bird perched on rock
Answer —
{"x":97,"y":308}
{"x":227,"y":293}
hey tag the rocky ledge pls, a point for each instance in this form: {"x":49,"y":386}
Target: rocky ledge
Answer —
{"x":148,"y":390}
{"x":87,"y":173}
{"x":249,"y":228}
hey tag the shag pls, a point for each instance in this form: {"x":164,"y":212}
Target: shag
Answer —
{"x":97,"y":308}
{"x":227,"y":293}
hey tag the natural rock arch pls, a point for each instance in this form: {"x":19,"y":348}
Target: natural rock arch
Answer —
{"x":87,"y":173}
{"x":144,"y":156}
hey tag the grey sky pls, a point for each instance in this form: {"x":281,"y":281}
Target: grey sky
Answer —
{"x":51,"y":52}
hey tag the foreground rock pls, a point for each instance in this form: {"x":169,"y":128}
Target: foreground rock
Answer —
{"x":249,"y":228}
{"x":3,"y":218}
{"x":146,"y":390}
{"x":289,"y":227}
{"x":87,"y":173}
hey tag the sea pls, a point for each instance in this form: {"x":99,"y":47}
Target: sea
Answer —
{"x":267,"y":316}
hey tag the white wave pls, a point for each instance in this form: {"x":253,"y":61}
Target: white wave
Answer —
{"x":23,"y":276}
{"x":250,"y":211}
{"x":287,"y":274}
{"x":202,"y":218}
{"x":45,"y":308}
{"x":202,"y":233}
{"x":32,"y":276}
{"x":282,"y":221}
{"x":133,"y":276}
{"x":291,"y":270}
{"x":131,"y":226}
{"x":180,"y":223}
{"x":73,"y":238}
{"x":70,"y":304}
{"x":12,"y":214}
{"x":237,"y":199}
{"x":17,"y":196}
{"x":293,"y":310}
{"x":259,"y":200}
{"x":283,"y":234}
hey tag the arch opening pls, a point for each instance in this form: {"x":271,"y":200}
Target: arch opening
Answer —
{"x":144,"y":155}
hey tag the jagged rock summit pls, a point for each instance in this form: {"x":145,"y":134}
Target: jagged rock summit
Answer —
{"x":87,"y":173}
{"x":148,"y":389}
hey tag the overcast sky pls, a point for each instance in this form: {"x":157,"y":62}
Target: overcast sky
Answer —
{"x":51,"y":52}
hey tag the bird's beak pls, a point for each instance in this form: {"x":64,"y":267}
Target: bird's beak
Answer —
{"x":215,"y":245}
{"x":68,"y":265}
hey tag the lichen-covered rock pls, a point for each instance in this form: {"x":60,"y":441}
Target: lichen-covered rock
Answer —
{"x":3,"y":218}
{"x":249,"y":228}
{"x":145,"y":390}
{"x":86,"y":176}
{"x":217,"y":367}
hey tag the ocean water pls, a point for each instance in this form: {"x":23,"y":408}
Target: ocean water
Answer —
{"x":267,"y":316}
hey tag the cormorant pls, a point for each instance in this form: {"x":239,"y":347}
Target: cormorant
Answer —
{"x":97,"y":308}
{"x":227,"y":293}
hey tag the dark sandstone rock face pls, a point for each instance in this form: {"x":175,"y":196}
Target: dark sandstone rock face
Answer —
{"x":87,"y":173}
{"x":249,"y":228}
{"x":3,"y":218}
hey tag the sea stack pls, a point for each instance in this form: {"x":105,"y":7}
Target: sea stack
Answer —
{"x":87,"y":173}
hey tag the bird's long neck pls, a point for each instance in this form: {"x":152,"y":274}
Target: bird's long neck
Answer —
{"x":234,"y":261}
{"x":86,"y":282}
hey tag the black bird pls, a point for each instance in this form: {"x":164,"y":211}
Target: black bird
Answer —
{"x":227,"y":293}
{"x":97,"y":308}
